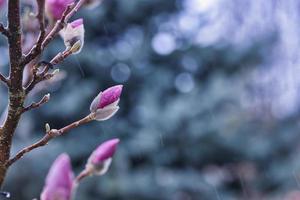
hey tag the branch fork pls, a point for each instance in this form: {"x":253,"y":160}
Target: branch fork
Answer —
{"x":33,"y":105}
{"x":4,"y":30}
{"x":4,"y":79}
{"x":18,"y":61}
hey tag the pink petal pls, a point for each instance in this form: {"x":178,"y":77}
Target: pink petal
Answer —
{"x":77,"y":23}
{"x":105,"y":151}
{"x":57,"y":7}
{"x":110,"y":95}
{"x":2,"y":2}
{"x":59,"y":180}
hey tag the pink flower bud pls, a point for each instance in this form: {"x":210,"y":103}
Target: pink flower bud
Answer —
{"x":105,"y":105}
{"x":59,"y":181}
{"x":55,"y":8}
{"x":100,"y":160}
{"x":2,"y":2}
{"x":73,"y":35}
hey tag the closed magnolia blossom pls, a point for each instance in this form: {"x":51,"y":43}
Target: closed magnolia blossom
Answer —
{"x":59,"y":181}
{"x":55,"y":8}
{"x":100,"y":160}
{"x":73,"y":35}
{"x":105,"y":105}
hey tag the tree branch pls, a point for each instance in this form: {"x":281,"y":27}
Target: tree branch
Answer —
{"x":44,"y":100}
{"x":50,"y":134}
{"x":3,"y":30}
{"x":59,"y":25}
{"x":41,"y":18}
{"x":83,"y":174}
{"x":38,"y":77}
{"x":4,"y":79}
{"x":14,"y":40}
{"x":16,"y":92}
{"x":74,"y":10}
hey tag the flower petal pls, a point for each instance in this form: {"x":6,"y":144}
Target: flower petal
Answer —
{"x":105,"y":113}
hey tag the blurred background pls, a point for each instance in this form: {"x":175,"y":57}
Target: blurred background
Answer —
{"x":209,"y":110}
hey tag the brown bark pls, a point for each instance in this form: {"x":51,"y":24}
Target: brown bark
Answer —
{"x":16,"y":92}
{"x":2,"y":173}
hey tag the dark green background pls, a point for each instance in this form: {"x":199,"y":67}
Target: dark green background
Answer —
{"x":209,"y":109}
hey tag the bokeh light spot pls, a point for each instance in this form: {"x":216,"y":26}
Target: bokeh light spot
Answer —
{"x":120,"y":72}
{"x":184,"y":82}
{"x":163,"y":43}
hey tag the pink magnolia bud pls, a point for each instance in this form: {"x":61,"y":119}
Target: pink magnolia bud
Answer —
{"x":100,"y":160}
{"x":105,"y":105}
{"x":2,"y":2}
{"x":59,"y":181}
{"x":73,"y":35}
{"x":56,"y":8}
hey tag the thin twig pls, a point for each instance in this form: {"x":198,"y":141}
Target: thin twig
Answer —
{"x":74,"y":10}
{"x":44,"y":100}
{"x":59,"y":25}
{"x":38,"y":77}
{"x":37,"y":50}
{"x":60,"y":57}
{"x":49,"y":135}
{"x":3,"y":30}
{"x":83,"y":174}
{"x":41,"y":18}
{"x":4,"y":79}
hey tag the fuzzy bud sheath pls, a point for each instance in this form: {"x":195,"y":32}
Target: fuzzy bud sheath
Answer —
{"x":59,"y":181}
{"x":73,"y":36}
{"x":105,"y":105}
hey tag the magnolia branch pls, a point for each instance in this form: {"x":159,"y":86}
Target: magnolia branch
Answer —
{"x":38,"y":77}
{"x":74,"y":10}
{"x":59,"y":25}
{"x":4,"y":80}
{"x":43,"y":42}
{"x":41,"y":18}
{"x":16,"y":92}
{"x":3,"y":30}
{"x":83,"y":174}
{"x":50,"y":134}
{"x":44,"y":100}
